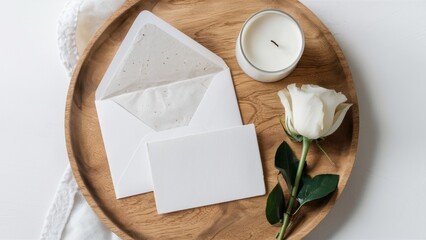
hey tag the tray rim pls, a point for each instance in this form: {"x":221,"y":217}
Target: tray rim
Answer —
{"x":128,"y":6}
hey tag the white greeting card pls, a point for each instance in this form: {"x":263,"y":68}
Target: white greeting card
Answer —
{"x":206,"y":168}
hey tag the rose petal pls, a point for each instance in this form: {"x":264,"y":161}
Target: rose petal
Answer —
{"x":330,"y":98}
{"x":338,"y":118}
{"x":307,"y":112}
{"x":286,"y":102}
{"x":290,"y":126}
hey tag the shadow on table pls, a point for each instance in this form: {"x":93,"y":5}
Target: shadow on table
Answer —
{"x":352,"y":197}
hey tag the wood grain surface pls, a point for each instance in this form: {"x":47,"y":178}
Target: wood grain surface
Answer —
{"x":215,"y":24}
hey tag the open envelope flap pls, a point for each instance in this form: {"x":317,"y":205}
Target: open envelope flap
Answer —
{"x":154,"y":53}
{"x":166,"y":106}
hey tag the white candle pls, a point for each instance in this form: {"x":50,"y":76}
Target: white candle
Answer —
{"x":269,"y":45}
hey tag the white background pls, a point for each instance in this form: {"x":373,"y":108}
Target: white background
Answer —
{"x":384,"y":42}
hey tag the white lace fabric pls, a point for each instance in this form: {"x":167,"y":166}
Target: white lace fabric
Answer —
{"x":67,"y":42}
{"x":69,"y":216}
{"x":61,"y":207}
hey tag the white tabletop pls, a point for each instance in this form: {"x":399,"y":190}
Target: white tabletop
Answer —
{"x":33,"y":90}
{"x":384,"y":42}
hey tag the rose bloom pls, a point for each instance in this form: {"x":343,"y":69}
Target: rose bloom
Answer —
{"x":312,"y":111}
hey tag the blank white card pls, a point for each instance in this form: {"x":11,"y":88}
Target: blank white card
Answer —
{"x":207,"y":168}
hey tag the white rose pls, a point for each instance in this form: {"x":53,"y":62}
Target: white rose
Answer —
{"x":312,"y":111}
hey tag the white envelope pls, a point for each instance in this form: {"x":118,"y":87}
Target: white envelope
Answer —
{"x":160,"y":84}
{"x":207,"y":168}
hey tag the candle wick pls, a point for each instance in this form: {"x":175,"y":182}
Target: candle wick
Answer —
{"x":272,"y":41}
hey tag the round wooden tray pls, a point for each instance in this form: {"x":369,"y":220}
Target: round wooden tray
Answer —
{"x":215,"y":24}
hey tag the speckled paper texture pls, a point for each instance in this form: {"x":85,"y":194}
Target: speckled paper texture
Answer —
{"x":150,"y":82}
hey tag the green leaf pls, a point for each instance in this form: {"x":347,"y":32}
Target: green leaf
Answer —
{"x":287,"y":164}
{"x":275,"y":205}
{"x":318,"y":187}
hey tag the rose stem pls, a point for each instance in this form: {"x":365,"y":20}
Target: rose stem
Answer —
{"x":287,"y":214}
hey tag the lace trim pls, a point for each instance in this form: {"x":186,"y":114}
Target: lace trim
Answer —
{"x":61,"y":207}
{"x":66,"y":35}
{"x":63,"y":201}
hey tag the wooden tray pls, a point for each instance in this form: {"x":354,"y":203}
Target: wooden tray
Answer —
{"x":215,"y":24}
